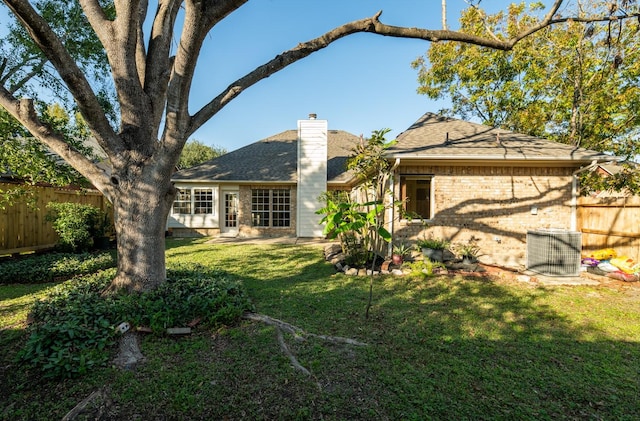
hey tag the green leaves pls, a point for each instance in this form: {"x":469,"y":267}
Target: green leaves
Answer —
{"x":74,"y":328}
{"x":71,"y":332}
{"x":196,"y":152}
{"x":558,"y":83}
{"x":76,"y":224}
{"x":52,"y":266}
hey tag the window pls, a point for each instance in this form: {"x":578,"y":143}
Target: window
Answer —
{"x":271,"y":208}
{"x":202,"y":201}
{"x":281,"y":208}
{"x":194,"y":201}
{"x":415,"y":191}
{"x":260,"y":207}
{"x":182,"y":204}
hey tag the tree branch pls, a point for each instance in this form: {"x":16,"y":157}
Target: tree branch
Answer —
{"x":98,"y":20}
{"x":298,"y":334}
{"x":35,"y":68}
{"x":199,"y":19}
{"x":24,"y":111}
{"x":373,"y":25}
{"x":73,"y":77}
{"x":158,"y":60}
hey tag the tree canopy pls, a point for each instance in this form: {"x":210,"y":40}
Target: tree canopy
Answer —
{"x":575,"y":82}
{"x":26,"y":71}
{"x":24,"y":158}
{"x":196,"y":152}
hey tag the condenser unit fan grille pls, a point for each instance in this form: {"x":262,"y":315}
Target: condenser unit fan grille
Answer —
{"x":554,"y":252}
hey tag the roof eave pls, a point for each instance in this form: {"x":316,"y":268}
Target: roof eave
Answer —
{"x":499,"y":158}
{"x":214,"y":181}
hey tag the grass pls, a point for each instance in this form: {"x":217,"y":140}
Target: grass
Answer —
{"x":438,"y":348}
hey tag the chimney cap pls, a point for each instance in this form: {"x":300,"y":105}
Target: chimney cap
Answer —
{"x":313,"y":116}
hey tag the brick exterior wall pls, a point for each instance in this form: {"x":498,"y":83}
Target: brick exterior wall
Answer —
{"x":245,"y":228}
{"x":193,"y":232}
{"x":495,"y":204}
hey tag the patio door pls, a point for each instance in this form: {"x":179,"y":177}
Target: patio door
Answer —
{"x":230,"y":214}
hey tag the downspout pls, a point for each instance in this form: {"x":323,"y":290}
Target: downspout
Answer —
{"x":574,"y":193}
{"x":392,"y":210}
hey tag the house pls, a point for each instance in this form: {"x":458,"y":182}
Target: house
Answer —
{"x":462,"y":180}
{"x":268,"y":188}
{"x":469,"y":180}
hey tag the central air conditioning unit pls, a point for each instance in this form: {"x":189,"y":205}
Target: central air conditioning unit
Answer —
{"x":554,"y":252}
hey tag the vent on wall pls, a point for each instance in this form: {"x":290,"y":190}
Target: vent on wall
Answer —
{"x":554,"y":252}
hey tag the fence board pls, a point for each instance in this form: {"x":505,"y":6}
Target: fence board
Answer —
{"x":23,"y":228}
{"x":610,"y":222}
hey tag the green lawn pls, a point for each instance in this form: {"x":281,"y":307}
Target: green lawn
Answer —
{"x":437,"y":348}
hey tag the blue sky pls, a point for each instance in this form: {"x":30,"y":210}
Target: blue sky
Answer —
{"x":360,"y":83}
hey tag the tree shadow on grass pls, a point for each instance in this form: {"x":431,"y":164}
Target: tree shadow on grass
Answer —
{"x":455,"y":348}
{"x":483,"y":349}
{"x":438,"y":348}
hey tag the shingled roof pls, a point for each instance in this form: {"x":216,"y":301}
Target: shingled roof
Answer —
{"x":273,"y":160}
{"x":443,"y":138}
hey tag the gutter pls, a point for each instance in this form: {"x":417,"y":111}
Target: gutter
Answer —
{"x":490,"y":158}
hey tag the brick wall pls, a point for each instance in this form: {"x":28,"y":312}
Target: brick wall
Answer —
{"x":495,"y":204}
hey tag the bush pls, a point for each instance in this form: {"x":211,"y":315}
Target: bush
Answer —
{"x":52,"y":266}
{"x":74,"y":329}
{"x":76,"y":224}
{"x":433,"y":243}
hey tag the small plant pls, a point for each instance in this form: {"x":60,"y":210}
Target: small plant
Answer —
{"x":400,"y":252}
{"x":402,"y":249}
{"x":426,"y":268}
{"x":468,"y":250}
{"x":72,"y":330}
{"x":433,"y":243}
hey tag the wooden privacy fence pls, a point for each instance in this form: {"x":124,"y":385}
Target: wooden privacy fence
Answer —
{"x":23,"y":227}
{"x":610,"y":222}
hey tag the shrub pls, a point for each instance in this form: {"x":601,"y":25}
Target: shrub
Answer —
{"x":74,"y":329}
{"x":76,"y":224}
{"x":52,"y":266}
{"x":433,"y":243}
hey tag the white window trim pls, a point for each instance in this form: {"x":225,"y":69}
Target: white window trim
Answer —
{"x":272,"y":211}
{"x":214,"y":198}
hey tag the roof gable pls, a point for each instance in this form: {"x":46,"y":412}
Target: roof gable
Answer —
{"x":273,"y":159}
{"x":438,"y":137}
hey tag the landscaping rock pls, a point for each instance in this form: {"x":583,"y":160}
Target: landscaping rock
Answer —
{"x":336,"y":258}
{"x":331,"y":250}
{"x":178,"y":330}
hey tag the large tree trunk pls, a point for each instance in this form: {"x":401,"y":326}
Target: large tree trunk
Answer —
{"x":141,"y":208}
